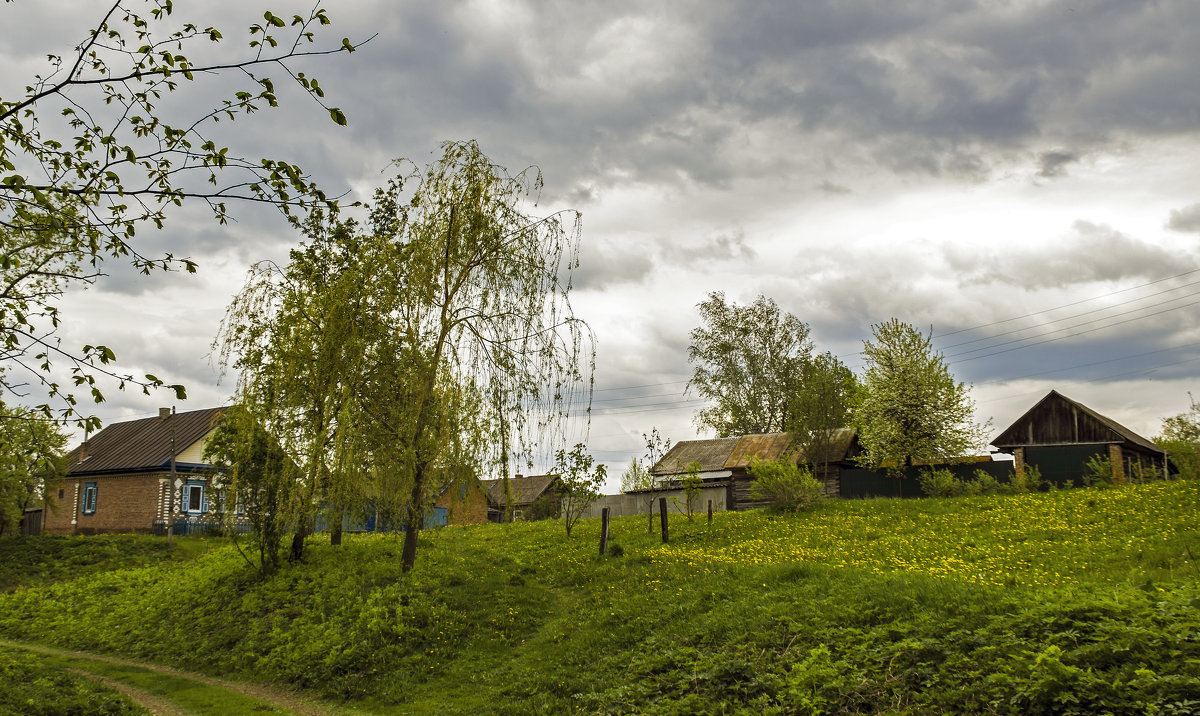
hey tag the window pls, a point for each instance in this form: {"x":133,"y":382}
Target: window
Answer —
{"x":194,"y":501}
{"x":89,"y":498}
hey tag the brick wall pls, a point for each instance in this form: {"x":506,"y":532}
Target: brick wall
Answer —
{"x":471,"y":511}
{"x":124,"y":503}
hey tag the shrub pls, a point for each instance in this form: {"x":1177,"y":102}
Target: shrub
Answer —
{"x":1098,"y":470}
{"x":941,"y":483}
{"x":1028,"y":480}
{"x":786,"y":485}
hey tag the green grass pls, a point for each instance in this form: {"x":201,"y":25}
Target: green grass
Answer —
{"x":32,"y":686}
{"x":1080,"y":601}
{"x":26,"y":561}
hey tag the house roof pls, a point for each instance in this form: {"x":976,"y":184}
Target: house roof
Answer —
{"x":143,"y":444}
{"x":711,"y":454}
{"x":1011,"y":436}
{"x":524,"y":489}
{"x":719,"y":454}
{"x":837,"y":448}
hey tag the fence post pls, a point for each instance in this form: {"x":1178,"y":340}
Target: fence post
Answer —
{"x":603,"y":530}
{"x":710,"y":512}
{"x":662,"y":516}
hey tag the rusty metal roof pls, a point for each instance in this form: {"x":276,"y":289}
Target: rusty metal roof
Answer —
{"x":735,"y":453}
{"x":143,"y":444}
{"x":839,"y":448}
{"x":767,"y":446}
{"x":524,"y":489}
{"x":711,"y":454}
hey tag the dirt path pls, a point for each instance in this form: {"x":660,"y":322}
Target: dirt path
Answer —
{"x":154,"y":704}
{"x":288,"y":700}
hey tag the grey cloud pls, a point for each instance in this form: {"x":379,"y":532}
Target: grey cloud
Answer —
{"x":1090,"y":252}
{"x":1186,"y":219}
{"x":601,"y":268}
{"x":829,"y":187}
{"x":1053,"y":164}
{"x":720,"y":247}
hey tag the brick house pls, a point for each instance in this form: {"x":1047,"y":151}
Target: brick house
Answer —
{"x":119,"y":480}
{"x":463,"y":503}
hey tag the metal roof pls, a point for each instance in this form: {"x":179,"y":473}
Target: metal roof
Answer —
{"x":139,"y":445}
{"x":524,"y":489}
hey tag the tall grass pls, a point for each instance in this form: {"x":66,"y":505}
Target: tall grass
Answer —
{"x":1075,"y":601}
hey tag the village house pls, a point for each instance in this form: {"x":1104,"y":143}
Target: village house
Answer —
{"x":120,"y":479}
{"x":1059,"y":435}
{"x":534,"y":497}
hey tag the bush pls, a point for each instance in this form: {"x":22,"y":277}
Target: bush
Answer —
{"x":944,"y":483}
{"x":1029,"y":480}
{"x":1097,"y":471}
{"x":788,"y":486}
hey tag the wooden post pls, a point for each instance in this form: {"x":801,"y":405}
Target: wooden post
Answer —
{"x":603,"y":531}
{"x":662,"y":516}
{"x":710,"y":512}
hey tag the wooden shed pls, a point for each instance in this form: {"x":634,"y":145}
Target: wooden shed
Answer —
{"x":1059,"y":435}
{"x":726,"y":462}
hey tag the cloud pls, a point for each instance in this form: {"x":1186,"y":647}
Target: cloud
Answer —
{"x":1186,"y":219}
{"x":1053,"y":164}
{"x":731,"y":246}
{"x":601,"y":268}
{"x":1089,"y":253}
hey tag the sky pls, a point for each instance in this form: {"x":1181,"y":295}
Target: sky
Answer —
{"x":1018,"y":178}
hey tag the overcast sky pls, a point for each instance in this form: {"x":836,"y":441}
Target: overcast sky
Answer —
{"x":1021,"y":178}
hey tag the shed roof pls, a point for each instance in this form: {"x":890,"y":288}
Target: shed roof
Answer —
{"x":1012,"y":436}
{"x":839,"y":447}
{"x":524,"y":489}
{"x":711,"y":454}
{"x":717,"y":454}
{"x":143,"y":444}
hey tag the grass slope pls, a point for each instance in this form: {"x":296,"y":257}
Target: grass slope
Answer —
{"x":1080,"y":601}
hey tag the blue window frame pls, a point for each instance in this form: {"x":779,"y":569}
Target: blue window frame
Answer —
{"x":89,"y":498}
{"x":194,"y":500}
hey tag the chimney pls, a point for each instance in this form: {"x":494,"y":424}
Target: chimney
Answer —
{"x":518,"y":476}
{"x":164,"y":413}
{"x":83,"y":450}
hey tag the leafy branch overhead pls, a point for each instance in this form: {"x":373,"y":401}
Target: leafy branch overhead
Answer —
{"x":90,"y":154}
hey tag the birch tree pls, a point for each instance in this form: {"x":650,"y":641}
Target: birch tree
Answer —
{"x":89,"y":157}
{"x":431,"y":343}
{"x":749,"y":361}
{"x":482,"y":311}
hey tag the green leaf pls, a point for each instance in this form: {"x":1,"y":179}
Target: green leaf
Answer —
{"x":337,"y":115}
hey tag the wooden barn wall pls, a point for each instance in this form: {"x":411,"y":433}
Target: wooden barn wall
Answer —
{"x":1058,"y":422}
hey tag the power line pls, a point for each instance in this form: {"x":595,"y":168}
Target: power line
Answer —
{"x":1061,"y":338}
{"x":1067,"y":305}
{"x":1085,"y":313}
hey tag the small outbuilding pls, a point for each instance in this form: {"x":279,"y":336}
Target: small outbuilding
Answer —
{"x":725,"y":463}
{"x":1059,"y":435}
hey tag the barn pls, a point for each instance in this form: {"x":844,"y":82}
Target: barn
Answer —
{"x":1059,"y":435}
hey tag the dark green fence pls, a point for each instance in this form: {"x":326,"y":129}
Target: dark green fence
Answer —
{"x":903,"y":482}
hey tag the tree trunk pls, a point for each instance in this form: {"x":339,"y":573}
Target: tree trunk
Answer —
{"x":298,"y":544}
{"x":415,"y":515}
{"x":335,"y":529}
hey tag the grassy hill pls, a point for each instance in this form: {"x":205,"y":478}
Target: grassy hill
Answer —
{"x":1080,"y":601}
